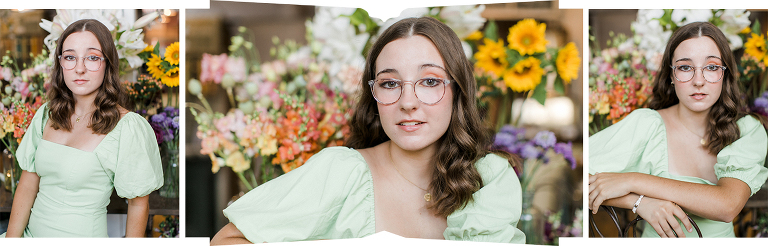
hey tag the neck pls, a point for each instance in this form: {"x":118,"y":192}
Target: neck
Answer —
{"x":696,"y":121}
{"x":415,"y":165}
{"x":84,"y":105}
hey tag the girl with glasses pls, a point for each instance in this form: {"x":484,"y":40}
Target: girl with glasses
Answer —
{"x":417,"y":162}
{"x":82,"y":144}
{"x":696,"y":152}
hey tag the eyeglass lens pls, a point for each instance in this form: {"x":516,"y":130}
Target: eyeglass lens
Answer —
{"x":427,"y":90}
{"x":92,"y":62}
{"x":712,"y":73}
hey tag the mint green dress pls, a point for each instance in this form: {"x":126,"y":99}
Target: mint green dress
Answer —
{"x":638,"y":143}
{"x":75,"y":185}
{"x":331,"y":197}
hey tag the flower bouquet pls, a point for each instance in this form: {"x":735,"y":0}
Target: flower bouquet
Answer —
{"x":753,"y":75}
{"x":521,"y":64}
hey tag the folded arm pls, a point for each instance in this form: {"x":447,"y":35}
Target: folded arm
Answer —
{"x":26,"y":192}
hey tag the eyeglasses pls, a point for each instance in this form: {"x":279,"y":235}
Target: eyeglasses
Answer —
{"x":712,"y":73}
{"x":428,"y":90}
{"x":92,"y":62}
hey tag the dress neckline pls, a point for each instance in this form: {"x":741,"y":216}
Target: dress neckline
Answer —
{"x":45,"y":120}
{"x":665,"y":159}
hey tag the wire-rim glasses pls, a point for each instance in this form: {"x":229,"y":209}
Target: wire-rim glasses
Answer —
{"x":428,"y":90}
{"x":92,"y":62}
{"x":712,"y":73}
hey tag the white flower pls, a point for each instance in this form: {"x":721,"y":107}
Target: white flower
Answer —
{"x":340,"y":44}
{"x":682,"y":17}
{"x":407,"y":13}
{"x":734,"y":20}
{"x":463,"y":19}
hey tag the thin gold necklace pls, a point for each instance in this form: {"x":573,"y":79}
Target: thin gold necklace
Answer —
{"x":428,"y":196}
{"x":702,"y":141}
{"x":79,"y":116}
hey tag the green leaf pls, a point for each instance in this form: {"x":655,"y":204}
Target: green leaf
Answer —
{"x":756,"y":28}
{"x":491,"y":31}
{"x":513,"y":57}
{"x":540,"y":92}
{"x":156,"y":50}
{"x":559,"y":86}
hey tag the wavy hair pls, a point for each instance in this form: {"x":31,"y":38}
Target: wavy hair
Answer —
{"x":731,"y":106}
{"x":455,"y":177}
{"x":109,"y":96}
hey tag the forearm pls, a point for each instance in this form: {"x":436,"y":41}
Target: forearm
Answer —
{"x":229,"y":235}
{"x":721,"y":202}
{"x":26,"y":192}
{"x":138,"y":211}
{"x":626,"y":202}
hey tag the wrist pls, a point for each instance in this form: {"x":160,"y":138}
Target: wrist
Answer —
{"x":637,"y":204}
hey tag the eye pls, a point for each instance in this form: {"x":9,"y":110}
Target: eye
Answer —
{"x":69,"y":57}
{"x":93,"y":58}
{"x":389,"y":83}
{"x":712,"y":68}
{"x":684,"y":68}
{"x":430,"y":82}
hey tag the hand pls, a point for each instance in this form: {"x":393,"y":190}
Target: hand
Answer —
{"x":661,"y":214}
{"x":604,"y":186}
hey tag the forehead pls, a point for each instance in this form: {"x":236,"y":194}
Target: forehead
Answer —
{"x":409,"y":54}
{"x":696,"y":49}
{"x":81,"y":41}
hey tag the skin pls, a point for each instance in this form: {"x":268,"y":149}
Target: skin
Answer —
{"x":685,"y":124}
{"x":399,"y":206}
{"x":84,"y":85}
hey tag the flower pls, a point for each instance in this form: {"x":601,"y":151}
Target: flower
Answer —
{"x":463,"y":20}
{"x":527,"y":37}
{"x":476,"y":35}
{"x":568,"y":62}
{"x":545,"y":139}
{"x":492,"y":57}
{"x":525,"y":75}
{"x":213,"y":68}
{"x":566,"y":149}
{"x":172,"y":53}
{"x":237,"y":162}
{"x":756,"y":47}
{"x":154,"y":68}
{"x":171,"y":78}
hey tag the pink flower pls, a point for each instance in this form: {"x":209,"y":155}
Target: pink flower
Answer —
{"x":20,"y":86}
{"x":6,"y":73}
{"x":235,"y":66}
{"x":213,"y":68}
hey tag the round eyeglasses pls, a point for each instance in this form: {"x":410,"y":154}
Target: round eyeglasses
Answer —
{"x":428,"y":90}
{"x":712,"y":73}
{"x":92,"y":62}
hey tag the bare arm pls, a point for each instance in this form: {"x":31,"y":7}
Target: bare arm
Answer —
{"x":662,"y":215}
{"x":26,"y":192}
{"x":228,"y":235}
{"x":721,"y":202}
{"x":138,"y":211}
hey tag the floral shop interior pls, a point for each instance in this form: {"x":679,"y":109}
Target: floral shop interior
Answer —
{"x":270,"y":85}
{"x":626,"y":49}
{"x":147,"y":41}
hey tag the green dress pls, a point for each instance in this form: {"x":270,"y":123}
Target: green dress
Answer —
{"x":75,"y":185}
{"x":638,"y":143}
{"x":331,"y":197}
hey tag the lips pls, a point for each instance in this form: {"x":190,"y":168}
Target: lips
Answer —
{"x":80,"y":81}
{"x":410,"y":125}
{"x":698,"y":96}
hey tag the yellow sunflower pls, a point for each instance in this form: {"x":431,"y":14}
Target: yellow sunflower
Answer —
{"x":476,"y":35}
{"x":755,"y":46}
{"x":154,"y":68}
{"x":525,"y":75}
{"x":568,"y":62}
{"x":492,"y":57}
{"x":149,"y":48}
{"x":527,"y":37}
{"x":172,"y":53}
{"x":171,"y":78}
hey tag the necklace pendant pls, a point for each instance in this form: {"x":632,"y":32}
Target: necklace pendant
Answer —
{"x":77,"y":120}
{"x":703,"y":142}
{"x":427,"y":197}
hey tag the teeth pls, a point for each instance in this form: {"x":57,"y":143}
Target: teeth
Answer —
{"x":409,"y":123}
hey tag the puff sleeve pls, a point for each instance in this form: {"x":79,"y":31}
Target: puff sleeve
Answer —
{"x":329,"y":197}
{"x":634,"y":144}
{"x":496,"y":209}
{"x":135,"y":162}
{"x":25,"y":153}
{"x":744,"y":158}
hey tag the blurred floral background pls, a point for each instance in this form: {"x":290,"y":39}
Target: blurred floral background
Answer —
{"x":270,"y":85}
{"x":625,"y":51}
{"x":28,"y":39}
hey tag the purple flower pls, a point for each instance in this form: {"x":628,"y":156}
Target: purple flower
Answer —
{"x":566,"y":149}
{"x":545,"y":139}
{"x":158,"y":132}
{"x":528,"y":151}
{"x":761,"y":102}
{"x":503,"y":140}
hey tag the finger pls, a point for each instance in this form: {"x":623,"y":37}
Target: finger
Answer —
{"x":658,"y":229}
{"x":592,"y":178}
{"x":599,"y":200}
{"x":675,"y":225}
{"x":668,"y":232}
{"x":684,"y":218}
{"x":592,"y":198}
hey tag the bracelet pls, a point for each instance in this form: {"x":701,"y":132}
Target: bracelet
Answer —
{"x":637,"y":203}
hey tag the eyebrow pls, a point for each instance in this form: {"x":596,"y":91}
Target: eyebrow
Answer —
{"x":689,"y":59}
{"x":73,"y":50}
{"x":423,"y":66}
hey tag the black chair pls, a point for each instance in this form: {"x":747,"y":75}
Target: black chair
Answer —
{"x":632,"y":224}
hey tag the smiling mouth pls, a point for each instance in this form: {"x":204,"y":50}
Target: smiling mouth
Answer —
{"x":410,"y":123}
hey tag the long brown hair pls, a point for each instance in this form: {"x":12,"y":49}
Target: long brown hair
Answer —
{"x":730,"y":107}
{"x":455,"y":177}
{"x":110,"y":95}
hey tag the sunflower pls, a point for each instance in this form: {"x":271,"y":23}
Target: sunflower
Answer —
{"x":568,"y":62}
{"x":492,"y":57}
{"x":149,"y":48}
{"x":171,"y":78}
{"x":755,"y":46}
{"x":527,"y":37}
{"x":172,"y":53}
{"x":476,"y":35}
{"x":525,"y":75}
{"x":154,"y":68}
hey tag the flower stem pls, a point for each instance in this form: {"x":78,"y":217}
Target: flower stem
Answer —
{"x":245,"y":181}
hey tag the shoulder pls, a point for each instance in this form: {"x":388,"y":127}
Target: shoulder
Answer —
{"x":493,"y":165}
{"x":748,"y":122}
{"x":644,"y":115}
{"x":337,"y":157}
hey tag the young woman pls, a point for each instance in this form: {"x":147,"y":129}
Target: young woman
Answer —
{"x":82,"y":144}
{"x":418,"y":163}
{"x":696,"y":152}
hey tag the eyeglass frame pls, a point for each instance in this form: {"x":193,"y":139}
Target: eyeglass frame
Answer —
{"x":701,"y":68}
{"x":413,"y":85}
{"x":102,"y":58}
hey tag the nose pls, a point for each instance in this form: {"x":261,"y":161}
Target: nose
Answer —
{"x":80,"y":66}
{"x":698,"y":78}
{"x":408,"y":100}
